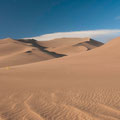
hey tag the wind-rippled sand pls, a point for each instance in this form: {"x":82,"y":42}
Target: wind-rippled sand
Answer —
{"x":63,"y":104}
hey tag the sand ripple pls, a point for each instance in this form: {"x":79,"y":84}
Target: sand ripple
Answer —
{"x":100,"y":104}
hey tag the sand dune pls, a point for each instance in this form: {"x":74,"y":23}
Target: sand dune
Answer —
{"x":18,"y":52}
{"x":70,"y":46}
{"x":14,"y":52}
{"x":81,"y":86}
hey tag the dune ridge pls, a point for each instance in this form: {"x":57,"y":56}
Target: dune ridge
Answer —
{"x":18,"y":52}
{"x":70,"y":46}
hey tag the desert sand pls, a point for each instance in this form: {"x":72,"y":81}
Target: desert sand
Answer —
{"x":19,"y":52}
{"x":69,"y":46}
{"x":78,"y":86}
{"x":13,"y":52}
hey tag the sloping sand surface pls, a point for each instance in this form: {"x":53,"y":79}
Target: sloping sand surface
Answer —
{"x":62,"y":42}
{"x":77,"y":87}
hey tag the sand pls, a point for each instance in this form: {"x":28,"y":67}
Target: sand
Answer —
{"x":82,"y":86}
{"x":70,"y":46}
{"x":14,"y":52}
{"x":19,"y":52}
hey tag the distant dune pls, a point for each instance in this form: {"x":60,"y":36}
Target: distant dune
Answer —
{"x":80,"y":86}
{"x":17,"y":52}
{"x":70,"y":46}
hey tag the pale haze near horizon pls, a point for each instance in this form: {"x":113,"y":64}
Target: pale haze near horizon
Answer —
{"x":99,"y":35}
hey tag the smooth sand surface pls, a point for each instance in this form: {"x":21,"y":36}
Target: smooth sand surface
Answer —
{"x":83,"y":86}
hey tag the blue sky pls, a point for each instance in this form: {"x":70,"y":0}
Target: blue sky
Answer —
{"x":30,"y":18}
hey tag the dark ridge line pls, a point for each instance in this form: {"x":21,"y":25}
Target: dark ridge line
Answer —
{"x":91,"y":42}
{"x":42,"y":48}
{"x":95,"y":43}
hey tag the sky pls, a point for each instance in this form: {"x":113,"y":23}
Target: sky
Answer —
{"x":99,"y":35}
{"x":31,"y":18}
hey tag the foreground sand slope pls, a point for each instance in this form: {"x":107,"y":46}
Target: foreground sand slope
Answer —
{"x":78,"y":87}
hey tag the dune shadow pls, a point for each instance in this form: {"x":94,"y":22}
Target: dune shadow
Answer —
{"x":42,"y":48}
{"x":90,"y":44}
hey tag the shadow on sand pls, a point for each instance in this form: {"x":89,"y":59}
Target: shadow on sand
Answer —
{"x":42,"y":48}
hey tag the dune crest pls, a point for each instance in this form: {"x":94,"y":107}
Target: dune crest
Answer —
{"x":15,"y":52}
{"x":70,"y":46}
{"x":18,"y":52}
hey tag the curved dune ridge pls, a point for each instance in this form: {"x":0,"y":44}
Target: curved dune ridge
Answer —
{"x":18,"y":52}
{"x":82,"y":86}
{"x":15,"y":52}
{"x":70,"y":46}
